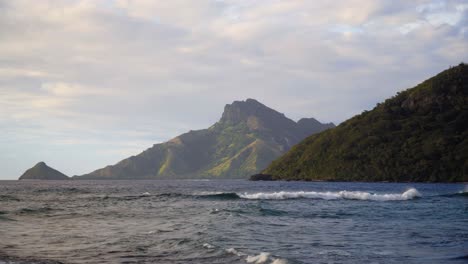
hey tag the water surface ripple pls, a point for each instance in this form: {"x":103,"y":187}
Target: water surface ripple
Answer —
{"x":232,"y":221}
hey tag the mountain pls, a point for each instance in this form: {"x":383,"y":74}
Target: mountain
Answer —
{"x":420,"y":134}
{"x":244,"y":141}
{"x":43,"y":172}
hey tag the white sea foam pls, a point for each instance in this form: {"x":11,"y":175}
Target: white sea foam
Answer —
{"x":146,"y":194}
{"x":262,"y":258}
{"x":208,"y":246}
{"x":350,"y":195}
{"x":235,"y":252}
{"x":279,"y":261}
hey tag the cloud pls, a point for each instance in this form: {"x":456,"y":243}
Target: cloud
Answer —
{"x":77,"y":76}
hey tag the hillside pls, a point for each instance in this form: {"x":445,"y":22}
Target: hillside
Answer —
{"x":246,"y":139}
{"x":420,"y":134}
{"x":43,"y":172}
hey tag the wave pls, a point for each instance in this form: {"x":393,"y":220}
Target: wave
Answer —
{"x":218,"y":195}
{"x":462,"y":193}
{"x":35,"y":210}
{"x":253,"y":210}
{"x":262,"y":258}
{"x":63,"y":190}
{"x":347,"y":195}
{"x":144,"y":195}
{"x":458,"y":194}
{"x":5,"y":197}
{"x":13,"y":259}
{"x":208,"y":246}
{"x":410,"y":194}
{"x":265,"y":257}
{"x":3,"y":217}
{"x":463,"y":257}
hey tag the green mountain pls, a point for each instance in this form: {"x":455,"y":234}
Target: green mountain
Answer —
{"x":420,"y":134}
{"x":246,"y":139}
{"x":43,"y":172}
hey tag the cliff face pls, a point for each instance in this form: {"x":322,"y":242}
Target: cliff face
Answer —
{"x":43,"y":172}
{"x":420,"y":134}
{"x":246,"y":139}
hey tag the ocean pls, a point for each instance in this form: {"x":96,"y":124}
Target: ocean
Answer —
{"x":232,"y":221}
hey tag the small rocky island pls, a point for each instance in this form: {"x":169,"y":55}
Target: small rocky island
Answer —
{"x":43,"y":172}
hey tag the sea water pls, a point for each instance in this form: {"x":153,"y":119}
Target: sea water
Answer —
{"x":232,"y":221}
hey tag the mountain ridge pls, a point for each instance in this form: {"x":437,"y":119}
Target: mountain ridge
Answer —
{"x":247,"y":137}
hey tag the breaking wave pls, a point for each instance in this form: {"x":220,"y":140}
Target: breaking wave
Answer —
{"x":347,"y":195}
{"x":410,"y":194}
{"x":218,"y":195}
{"x":463,"y":193}
{"x":262,"y":258}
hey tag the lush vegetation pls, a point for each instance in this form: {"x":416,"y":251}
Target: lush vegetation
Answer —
{"x":420,"y":134}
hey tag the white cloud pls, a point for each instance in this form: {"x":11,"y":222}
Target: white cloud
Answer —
{"x":70,"y":90}
{"x":18,"y":73}
{"x":77,"y":72}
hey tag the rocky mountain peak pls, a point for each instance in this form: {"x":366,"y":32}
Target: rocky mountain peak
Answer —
{"x":246,"y":139}
{"x":246,"y":111}
{"x":41,"y":164}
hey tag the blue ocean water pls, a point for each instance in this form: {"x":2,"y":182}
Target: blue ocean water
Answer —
{"x":232,"y":221}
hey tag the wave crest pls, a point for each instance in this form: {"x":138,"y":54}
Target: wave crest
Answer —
{"x":219,"y":195}
{"x":262,"y":258}
{"x":348,"y":195}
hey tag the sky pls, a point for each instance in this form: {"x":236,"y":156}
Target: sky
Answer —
{"x":84,"y":84}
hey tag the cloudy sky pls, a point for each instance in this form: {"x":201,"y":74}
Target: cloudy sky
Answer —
{"x":84,"y":84}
